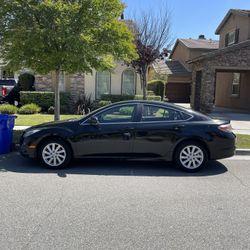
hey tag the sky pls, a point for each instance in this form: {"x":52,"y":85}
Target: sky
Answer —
{"x":190,"y":18}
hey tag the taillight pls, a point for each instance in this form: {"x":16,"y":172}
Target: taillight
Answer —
{"x":4,"y":91}
{"x":226,"y":128}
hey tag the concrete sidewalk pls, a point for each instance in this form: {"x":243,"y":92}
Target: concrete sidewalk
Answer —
{"x":240,"y":120}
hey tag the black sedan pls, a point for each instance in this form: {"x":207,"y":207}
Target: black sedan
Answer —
{"x":132,"y":129}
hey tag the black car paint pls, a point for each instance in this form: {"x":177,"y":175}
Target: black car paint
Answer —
{"x":135,"y":139}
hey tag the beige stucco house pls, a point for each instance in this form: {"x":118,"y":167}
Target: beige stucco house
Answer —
{"x":122,"y":80}
{"x":222,"y":78}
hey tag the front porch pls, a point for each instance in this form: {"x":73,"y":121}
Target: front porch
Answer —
{"x":215,"y":79}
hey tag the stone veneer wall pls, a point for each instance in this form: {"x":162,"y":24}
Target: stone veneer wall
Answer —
{"x":232,"y":58}
{"x":44,"y":82}
{"x":76,"y":85}
{"x":73,"y":83}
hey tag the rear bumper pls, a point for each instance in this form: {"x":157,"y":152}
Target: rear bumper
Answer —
{"x":223,"y":147}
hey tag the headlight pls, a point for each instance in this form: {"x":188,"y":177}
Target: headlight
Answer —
{"x":31,"y":132}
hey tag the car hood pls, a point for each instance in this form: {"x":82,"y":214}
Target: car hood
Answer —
{"x":63,"y":124}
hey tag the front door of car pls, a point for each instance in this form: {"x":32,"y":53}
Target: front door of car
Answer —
{"x":108,"y":133}
{"x":157,"y":130}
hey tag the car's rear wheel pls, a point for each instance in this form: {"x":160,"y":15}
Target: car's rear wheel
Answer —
{"x":54,"y":153}
{"x":191,"y":156}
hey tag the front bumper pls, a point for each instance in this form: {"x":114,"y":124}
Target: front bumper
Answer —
{"x":27,"y":149}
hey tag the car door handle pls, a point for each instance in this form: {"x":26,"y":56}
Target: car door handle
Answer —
{"x":178,"y":127}
{"x":127,"y":135}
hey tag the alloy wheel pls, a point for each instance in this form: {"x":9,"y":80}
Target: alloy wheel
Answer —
{"x":191,"y":157}
{"x":54,"y":154}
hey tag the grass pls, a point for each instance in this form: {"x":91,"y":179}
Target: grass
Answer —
{"x":32,"y":120}
{"x":243,"y":141}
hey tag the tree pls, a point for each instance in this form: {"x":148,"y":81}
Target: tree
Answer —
{"x":63,"y":35}
{"x":153,"y":40}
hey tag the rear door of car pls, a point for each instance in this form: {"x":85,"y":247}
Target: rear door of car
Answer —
{"x":159,"y":128}
{"x":112,"y":136}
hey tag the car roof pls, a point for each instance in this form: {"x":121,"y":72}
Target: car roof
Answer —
{"x":167,"y":104}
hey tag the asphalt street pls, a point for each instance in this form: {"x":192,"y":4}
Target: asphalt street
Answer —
{"x":124,"y":205}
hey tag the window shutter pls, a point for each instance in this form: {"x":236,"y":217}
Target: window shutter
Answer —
{"x":226,"y":40}
{"x":237,"y":32}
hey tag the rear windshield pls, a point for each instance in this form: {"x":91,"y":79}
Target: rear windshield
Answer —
{"x":8,"y":82}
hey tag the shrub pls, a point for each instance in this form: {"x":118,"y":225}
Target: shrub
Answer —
{"x":8,"y":109}
{"x":117,"y":98}
{"x":46,"y":100}
{"x":100,"y":104}
{"x":84,"y":104}
{"x":157,"y":86}
{"x":29,"y":109}
{"x":149,"y":98}
{"x":26,"y":82}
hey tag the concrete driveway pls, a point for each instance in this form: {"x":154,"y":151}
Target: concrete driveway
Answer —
{"x":124,"y":205}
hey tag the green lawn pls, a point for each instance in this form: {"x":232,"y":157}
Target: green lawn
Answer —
{"x":243,"y":141}
{"x":32,"y":120}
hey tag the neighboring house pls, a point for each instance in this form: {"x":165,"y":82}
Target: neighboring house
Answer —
{"x":122,"y":80}
{"x":178,"y":71}
{"x":222,"y":78}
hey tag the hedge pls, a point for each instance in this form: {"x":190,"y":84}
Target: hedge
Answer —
{"x":157,"y":86}
{"x":117,"y":98}
{"x":149,"y":97}
{"x":45,"y":100}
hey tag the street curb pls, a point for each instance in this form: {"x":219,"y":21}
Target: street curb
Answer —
{"x":242,"y":152}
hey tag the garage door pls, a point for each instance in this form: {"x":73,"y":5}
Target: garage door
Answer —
{"x":178,"y":92}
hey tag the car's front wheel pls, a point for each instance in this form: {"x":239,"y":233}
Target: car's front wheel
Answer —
{"x":54,"y":153}
{"x":191,"y":156}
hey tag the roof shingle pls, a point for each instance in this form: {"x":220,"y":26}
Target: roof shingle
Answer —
{"x":170,"y":68}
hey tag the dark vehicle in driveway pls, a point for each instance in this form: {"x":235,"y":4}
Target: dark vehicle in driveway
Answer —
{"x":6,"y":85}
{"x":132,"y":129}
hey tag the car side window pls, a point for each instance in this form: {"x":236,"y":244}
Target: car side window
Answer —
{"x":156,"y":113}
{"x":118,"y":114}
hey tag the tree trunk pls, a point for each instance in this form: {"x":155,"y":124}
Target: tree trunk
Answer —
{"x":144,"y":82}
{"x":57,"y":97}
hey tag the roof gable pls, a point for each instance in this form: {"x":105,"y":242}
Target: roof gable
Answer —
{"x":206,"y":44}
{"x":228,"y":15}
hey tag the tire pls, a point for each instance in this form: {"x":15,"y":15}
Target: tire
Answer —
{"x":191,"y":156}
{"x":54,"y":154}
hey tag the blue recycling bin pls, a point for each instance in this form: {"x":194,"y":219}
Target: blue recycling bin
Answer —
{"x":7,"y":123}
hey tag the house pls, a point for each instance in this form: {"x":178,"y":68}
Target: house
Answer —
{"x":122,"y":80}
{"x":178,"y":71}
{"x":222,"y":78}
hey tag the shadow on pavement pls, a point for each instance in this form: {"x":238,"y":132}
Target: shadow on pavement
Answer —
{"x":15,"y":163}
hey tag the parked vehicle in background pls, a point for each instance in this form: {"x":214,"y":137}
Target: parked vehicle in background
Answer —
{"x":6,"y":85}
{"x":132,"y":129}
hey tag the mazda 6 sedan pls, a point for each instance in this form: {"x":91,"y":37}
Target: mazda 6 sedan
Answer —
{"x":134,"y":130}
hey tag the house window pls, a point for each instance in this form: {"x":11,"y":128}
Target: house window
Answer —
{"x":128,"y":82}
{"x":61,"y":81}
{"x":236,"y":84}
{"x":232,"y":37}
{"x":103,"y":84}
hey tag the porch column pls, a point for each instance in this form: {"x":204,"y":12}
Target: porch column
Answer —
{"x":207,"y":90}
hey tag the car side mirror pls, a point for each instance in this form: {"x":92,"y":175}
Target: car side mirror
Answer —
{"x":94,"y":121}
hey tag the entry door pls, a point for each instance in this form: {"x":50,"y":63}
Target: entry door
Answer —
{"x":113,"y":135}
